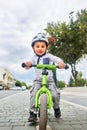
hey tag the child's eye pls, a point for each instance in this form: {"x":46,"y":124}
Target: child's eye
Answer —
{"x":37,"y":46}
{"x":42,"y":46}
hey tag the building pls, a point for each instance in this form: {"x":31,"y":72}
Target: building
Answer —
{"x":6,"y":78}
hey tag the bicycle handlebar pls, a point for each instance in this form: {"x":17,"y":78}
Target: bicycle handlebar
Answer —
{"x":66,"y":67}
{"x":46,"y":66}
{"x":23,"y":65}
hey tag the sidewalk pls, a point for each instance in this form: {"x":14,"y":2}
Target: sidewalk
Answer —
{"x":14,"y":115}
{"x":75,"y":90}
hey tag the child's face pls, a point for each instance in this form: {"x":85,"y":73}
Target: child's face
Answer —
{"x":40,"y":47}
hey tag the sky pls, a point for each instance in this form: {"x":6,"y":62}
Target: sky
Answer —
{"x":20,"y":21}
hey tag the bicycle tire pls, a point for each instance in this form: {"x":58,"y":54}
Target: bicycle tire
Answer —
{"x":43,"y":112}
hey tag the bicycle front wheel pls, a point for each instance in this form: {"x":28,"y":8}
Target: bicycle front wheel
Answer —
{"x":43,"y":112}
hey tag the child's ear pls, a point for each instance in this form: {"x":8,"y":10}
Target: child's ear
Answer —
{"x":47,"y":47}
{"x":33,"y":48}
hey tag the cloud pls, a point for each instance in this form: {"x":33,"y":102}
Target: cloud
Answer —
{"x":20,"y":20}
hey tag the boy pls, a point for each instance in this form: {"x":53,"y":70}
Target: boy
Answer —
{"x":40,"y":45}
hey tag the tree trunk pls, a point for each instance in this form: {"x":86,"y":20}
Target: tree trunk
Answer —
{"x":74,"y":73}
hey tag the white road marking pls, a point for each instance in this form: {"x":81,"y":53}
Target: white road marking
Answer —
{"x":77,"y":105}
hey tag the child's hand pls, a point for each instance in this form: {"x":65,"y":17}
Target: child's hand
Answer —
{"x":28,"y":64}
{"x":61,"y":65}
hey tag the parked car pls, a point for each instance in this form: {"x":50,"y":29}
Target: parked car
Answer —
{"x":18,"y":88}
{"x":23,"y":88}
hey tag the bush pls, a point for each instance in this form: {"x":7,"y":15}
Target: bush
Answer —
{"x":71,"y":82}
{"x":81,"y":82}
{"x":18,"y":83}
{"x":61,"y":84}
{"x":28,"y":87}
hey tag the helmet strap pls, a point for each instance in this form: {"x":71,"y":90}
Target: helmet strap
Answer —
{"x":39,"y":56}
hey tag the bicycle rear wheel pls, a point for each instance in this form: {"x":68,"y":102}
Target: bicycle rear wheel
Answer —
{"x":43,"y":112}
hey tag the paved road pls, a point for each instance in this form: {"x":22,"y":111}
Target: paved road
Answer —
{"x":76,"y":95}
{"x":14,"y":115}
{"x":6,"y":93}
{"x":77,"y":99}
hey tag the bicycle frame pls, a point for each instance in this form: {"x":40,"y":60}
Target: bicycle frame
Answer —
{"x":43,"y":94}
{"x":44,"y":88}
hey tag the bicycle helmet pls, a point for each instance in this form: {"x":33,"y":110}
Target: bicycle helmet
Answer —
{"x":39,"y":37}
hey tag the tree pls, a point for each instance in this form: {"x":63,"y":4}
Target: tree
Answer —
{"x":71,"y":40}
{"x":82,"y":20}
{"x":23,"y":84}
{"x":80,"y":81}
{"x":18,"y":83}
{"x":71,"y":82}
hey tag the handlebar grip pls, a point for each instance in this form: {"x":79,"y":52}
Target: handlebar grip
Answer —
{"x":66,"y":67}
{"x":23,"y":65}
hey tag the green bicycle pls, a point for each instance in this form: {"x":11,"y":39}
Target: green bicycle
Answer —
{"x":43,"y":99}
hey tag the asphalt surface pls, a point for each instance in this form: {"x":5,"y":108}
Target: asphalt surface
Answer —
{"x":82,"y":101}
{"x":14,"y":114}
{"x":6,"y":93}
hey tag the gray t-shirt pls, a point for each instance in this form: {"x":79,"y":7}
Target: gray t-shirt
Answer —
{"x":52,"y":59}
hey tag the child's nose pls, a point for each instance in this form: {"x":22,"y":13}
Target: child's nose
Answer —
{"x":40,"y":48}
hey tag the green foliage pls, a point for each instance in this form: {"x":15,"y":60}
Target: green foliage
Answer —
{"x":28,"y":87}
{"x":18,"y":83}
{"x":80,"y":81}
{"x":71,"y":39}
{"x":61,"y":84}
{"x":23,"y":84}
{"x":71,"y":82}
